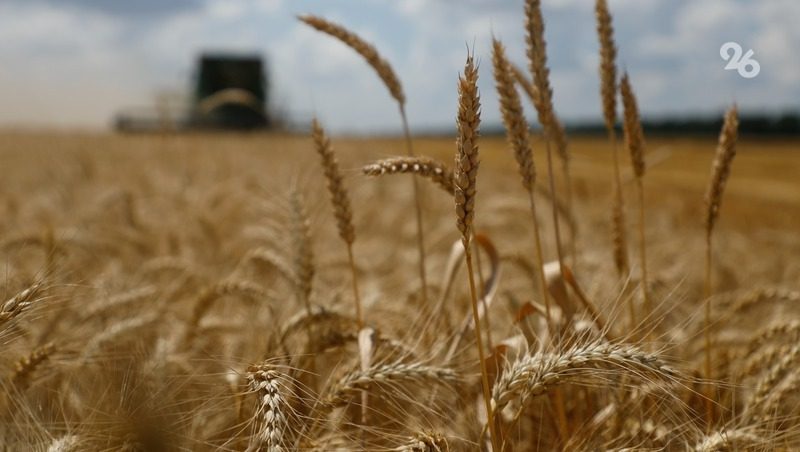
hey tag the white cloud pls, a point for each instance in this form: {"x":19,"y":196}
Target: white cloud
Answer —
{"x":71,"y":66}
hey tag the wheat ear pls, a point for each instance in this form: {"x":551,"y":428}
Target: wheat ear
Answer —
{"x":608,"y":95}
{"x":726,"y":151}
{"x":465,"y":179}
{"x":392,"y":83}
{"x":363,"y":48}
{"x":113,"y":332}
{"x":425,"y":442}
{"x":731,"y":440}
{"x":437,"y":172}
{"x":26,"y":366}
{"x":388,"y":376}
{"x":562,"y":147}
{"x":271,"y":411}
{"x":209,"y":295}
{"x":20,"y":302}
{"x":340,"y":202}
{"x":534,"y":375}
{"x":518,"y":139}
{"x":769,"y":382}
{"x":66,"y":443}
{"x":634,"y":141}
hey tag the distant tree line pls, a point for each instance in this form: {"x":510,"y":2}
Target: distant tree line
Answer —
{"x":785,"y":124}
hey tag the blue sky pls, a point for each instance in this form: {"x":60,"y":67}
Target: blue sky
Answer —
{"x":74,"y":63}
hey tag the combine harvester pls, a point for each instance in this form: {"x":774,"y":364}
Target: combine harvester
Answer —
{"x":230,"y":93}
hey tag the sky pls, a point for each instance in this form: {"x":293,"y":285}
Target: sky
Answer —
{"x":76,"y":63}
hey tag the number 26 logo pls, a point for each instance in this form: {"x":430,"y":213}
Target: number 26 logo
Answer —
{"x":745,"y":65}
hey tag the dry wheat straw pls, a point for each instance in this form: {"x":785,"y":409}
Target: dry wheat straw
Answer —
{"x":271,"y":411}
{"x":726,"y":150}
{"x":392,"y":83}
{"x":608,"y":95}
{"x":465,"y":178}
{"x":518,"y":139}
{"x":438,"y":172}
{"x":340,"y":202}
{"x":634,"y":140}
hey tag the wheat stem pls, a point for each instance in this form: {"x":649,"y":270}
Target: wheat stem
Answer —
{"x":726,"y":151}
{"x":418,"y":207}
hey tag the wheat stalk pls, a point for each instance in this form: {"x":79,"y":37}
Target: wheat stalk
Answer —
{"x":340,"y":202}
{"x":537,"y":60}
{"x":562,"y":148}
{"x":438,"y":172}
{"x":465,"y":177}
{"x":608,"y":95}
{"x":726,"y":150}
{"x":634,"y":140}
{"x":303,"y":255}
{"x":392,"y":83}
{"x":518,"y":139}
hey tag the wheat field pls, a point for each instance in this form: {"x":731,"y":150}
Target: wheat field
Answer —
{"x":270,"y":292}
{"x":124,"y":235}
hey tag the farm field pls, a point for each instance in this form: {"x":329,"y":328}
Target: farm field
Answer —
{"x":164,"y":269}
